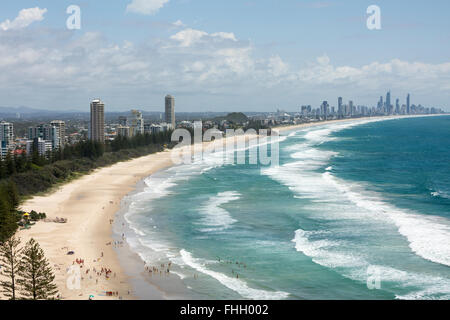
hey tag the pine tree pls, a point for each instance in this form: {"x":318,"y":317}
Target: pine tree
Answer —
{"x":10,"y":255}
{"x":12,"y":195}
{"x":36,"y":275}
{"x":8,"y":223}
{"x":10,"y":165}
{"x":2,"y":169}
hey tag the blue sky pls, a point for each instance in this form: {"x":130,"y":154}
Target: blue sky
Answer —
{"x":223,"y":55}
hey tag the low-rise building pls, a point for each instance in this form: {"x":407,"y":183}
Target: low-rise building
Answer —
{"x":42,"y":147}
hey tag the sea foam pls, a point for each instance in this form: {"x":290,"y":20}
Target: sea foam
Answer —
{"x":214,"y":216}
{"x":232,"y":283}
{"x":428,"y":236}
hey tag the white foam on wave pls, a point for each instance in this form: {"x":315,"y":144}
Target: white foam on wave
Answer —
{"x":237,"y":285}
{"x":428,"y":236}
{"x":440,"y":194}
{"x":301,"y":176}
{"x":214,"y":216}
{"x":147,"y":241}
{"x":326,"y":253}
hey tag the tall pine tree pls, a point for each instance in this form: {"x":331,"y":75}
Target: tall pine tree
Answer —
{"x":10,"y":255}
{"x":8,"y":225}
{"x":3,"y":174}
{"x":12,"y":195}
{"x":10,"y":165}
{"x":36,"y":275}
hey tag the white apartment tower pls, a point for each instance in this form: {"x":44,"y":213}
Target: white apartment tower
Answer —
{"x":136,"y":122}
{"x":61,"y":131}
{"x":7,"y":133}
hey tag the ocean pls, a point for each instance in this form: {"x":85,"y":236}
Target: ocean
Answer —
{"x":355,"y":210}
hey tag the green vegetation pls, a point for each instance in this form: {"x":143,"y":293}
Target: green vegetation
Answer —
{"x":26,"y":272}
{"x":9,"y":201}
{"x":10,"y":254}
{"x":256,"y":125}
{"x":35,"y":174}
{"x":23,"y":176}
{"x":234,"y":117}
{"x":36,"y":278}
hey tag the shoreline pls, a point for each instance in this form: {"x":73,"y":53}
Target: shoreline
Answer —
{"x":90,"y":203}
{"x":145,"y":286}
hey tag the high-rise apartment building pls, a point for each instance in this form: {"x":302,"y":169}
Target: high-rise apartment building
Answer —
{"x":61,"y":132}
{"x":350,"y":108}
{"x":7,"y":133}
{"x":388,"y":103}
{"x":170,"y":110}
{"x":408,"y":104}
{"x":97,"y":124}
{"x":46,"y":132}
{"x":6,"y":138}
{"x":135,"y":122}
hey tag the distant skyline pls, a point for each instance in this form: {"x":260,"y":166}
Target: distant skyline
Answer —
{"x":222,"y":55}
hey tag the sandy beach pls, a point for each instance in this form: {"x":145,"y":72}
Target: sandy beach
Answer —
{"x":90,"y":204}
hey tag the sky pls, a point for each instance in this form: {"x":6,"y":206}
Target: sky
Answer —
{"x":247,"y":55}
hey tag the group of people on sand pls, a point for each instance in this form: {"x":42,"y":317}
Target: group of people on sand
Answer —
{"x":118,"y":244}
{"x":115,"y":244}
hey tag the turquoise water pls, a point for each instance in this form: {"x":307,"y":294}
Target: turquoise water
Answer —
{"x":356,"y":210}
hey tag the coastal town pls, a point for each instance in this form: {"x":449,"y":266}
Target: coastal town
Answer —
{"x":34,"y":135}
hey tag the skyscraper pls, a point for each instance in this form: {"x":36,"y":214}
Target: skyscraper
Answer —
{"x":135,"y":122}
{"x":61,"y":129}
{"x":324,"y":109}
{"x":340,"y":110}
{"x":408,"y":104}
{"x":388,"y":102}
{"x":6,"y":133}
{"x":380,"y":103}
{"x":170,"y":110}
{"x":350,"y":108}
{"x":97,"y":125}
{"x":6,"y":138}
{"x":397,"y":106}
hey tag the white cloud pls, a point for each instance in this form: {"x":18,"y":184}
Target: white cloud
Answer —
{"x":323,"y":60}
{"x":188,"y":37}
{"x":203,"y":65}
{"x":147,"y":7}
{"x":178,"y":24}
{"x":224,"y":35}
{"x":24,"y":19}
